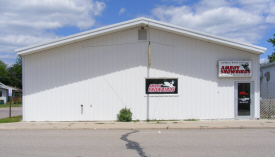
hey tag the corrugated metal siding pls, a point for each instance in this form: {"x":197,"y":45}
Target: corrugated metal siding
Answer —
{"x":202,"y":94}
{"x":267,"y":88}
{"x":109,"y":72}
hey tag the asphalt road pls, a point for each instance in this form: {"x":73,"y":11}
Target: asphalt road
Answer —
{"x":15,"y":111}
{"x":80,"y":143}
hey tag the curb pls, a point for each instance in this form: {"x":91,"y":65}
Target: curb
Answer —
{"x":190,"y":128}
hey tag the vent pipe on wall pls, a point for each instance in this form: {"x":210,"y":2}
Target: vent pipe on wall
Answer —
{"x":267,"y":75}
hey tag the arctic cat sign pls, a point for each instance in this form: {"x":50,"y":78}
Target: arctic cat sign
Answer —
{"x":161,"y":86}
{"x":235,"y":69}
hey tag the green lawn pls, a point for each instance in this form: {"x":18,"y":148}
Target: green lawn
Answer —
{"x":11,"y":120}
{"x":8,"y":105}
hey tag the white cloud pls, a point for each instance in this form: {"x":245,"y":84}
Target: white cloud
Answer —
{"x":8,"y":43}
{"x":98,"y":8}
{"x":245,"y":23}
{"x":121,"y":11}
{"x":271,"y":13}
{"x":264,"y":60}
{"x":27,"y":22}
{"x":10,"y":56}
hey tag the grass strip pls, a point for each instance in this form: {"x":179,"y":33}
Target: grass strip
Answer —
{"x":8,"y":105}
{"x":11,"y":120}
{"x":191,"y":120}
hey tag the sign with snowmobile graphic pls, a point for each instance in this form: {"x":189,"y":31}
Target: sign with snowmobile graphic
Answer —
{"x":235,"y":69}
{"x":161,"y":86}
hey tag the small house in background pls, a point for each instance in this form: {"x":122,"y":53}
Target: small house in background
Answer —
{"x":4,"y":90}
{"x":267,"y":82}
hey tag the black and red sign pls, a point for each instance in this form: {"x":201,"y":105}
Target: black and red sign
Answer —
{"x":161,"y":86}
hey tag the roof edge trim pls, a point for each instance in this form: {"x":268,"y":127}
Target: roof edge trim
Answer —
{"x":267,"y":65}
{"x":139,"y":22}
{"x":91,"y":33}
{"x":198,"y":33}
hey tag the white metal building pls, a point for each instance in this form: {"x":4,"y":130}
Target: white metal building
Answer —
{"x":267,"y":81}
{"x":90,"y":76}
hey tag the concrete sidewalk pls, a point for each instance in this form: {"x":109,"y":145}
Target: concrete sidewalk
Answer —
{"x":216,"y":124}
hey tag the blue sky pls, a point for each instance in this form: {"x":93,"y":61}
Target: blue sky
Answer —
{"x":28,"y":22}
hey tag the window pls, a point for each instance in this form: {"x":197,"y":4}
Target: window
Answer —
{"x":0,"y":93}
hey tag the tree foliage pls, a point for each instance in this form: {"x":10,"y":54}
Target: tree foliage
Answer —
{"x":271,"y":57}
{"x":4,"y":78}
{"x":12,"y":75}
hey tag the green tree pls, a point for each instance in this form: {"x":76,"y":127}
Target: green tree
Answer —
{"x":271,"y":57}
{"x":15,"y":73}
{"x":4,"y":74}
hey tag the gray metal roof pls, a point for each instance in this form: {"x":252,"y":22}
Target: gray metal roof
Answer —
{"x":8,"y":87}
{"x":267,"y":65}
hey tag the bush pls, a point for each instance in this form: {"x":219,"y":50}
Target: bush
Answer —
{"x":125,"y":115}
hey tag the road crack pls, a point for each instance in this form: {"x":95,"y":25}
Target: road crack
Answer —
{"x":132,"y":144}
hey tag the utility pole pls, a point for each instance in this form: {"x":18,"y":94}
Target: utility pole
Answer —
{"x":148,"y":70}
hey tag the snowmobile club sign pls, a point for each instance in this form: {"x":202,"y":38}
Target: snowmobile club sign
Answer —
{"x":235,"y":69}
{"x":161,"y":86}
